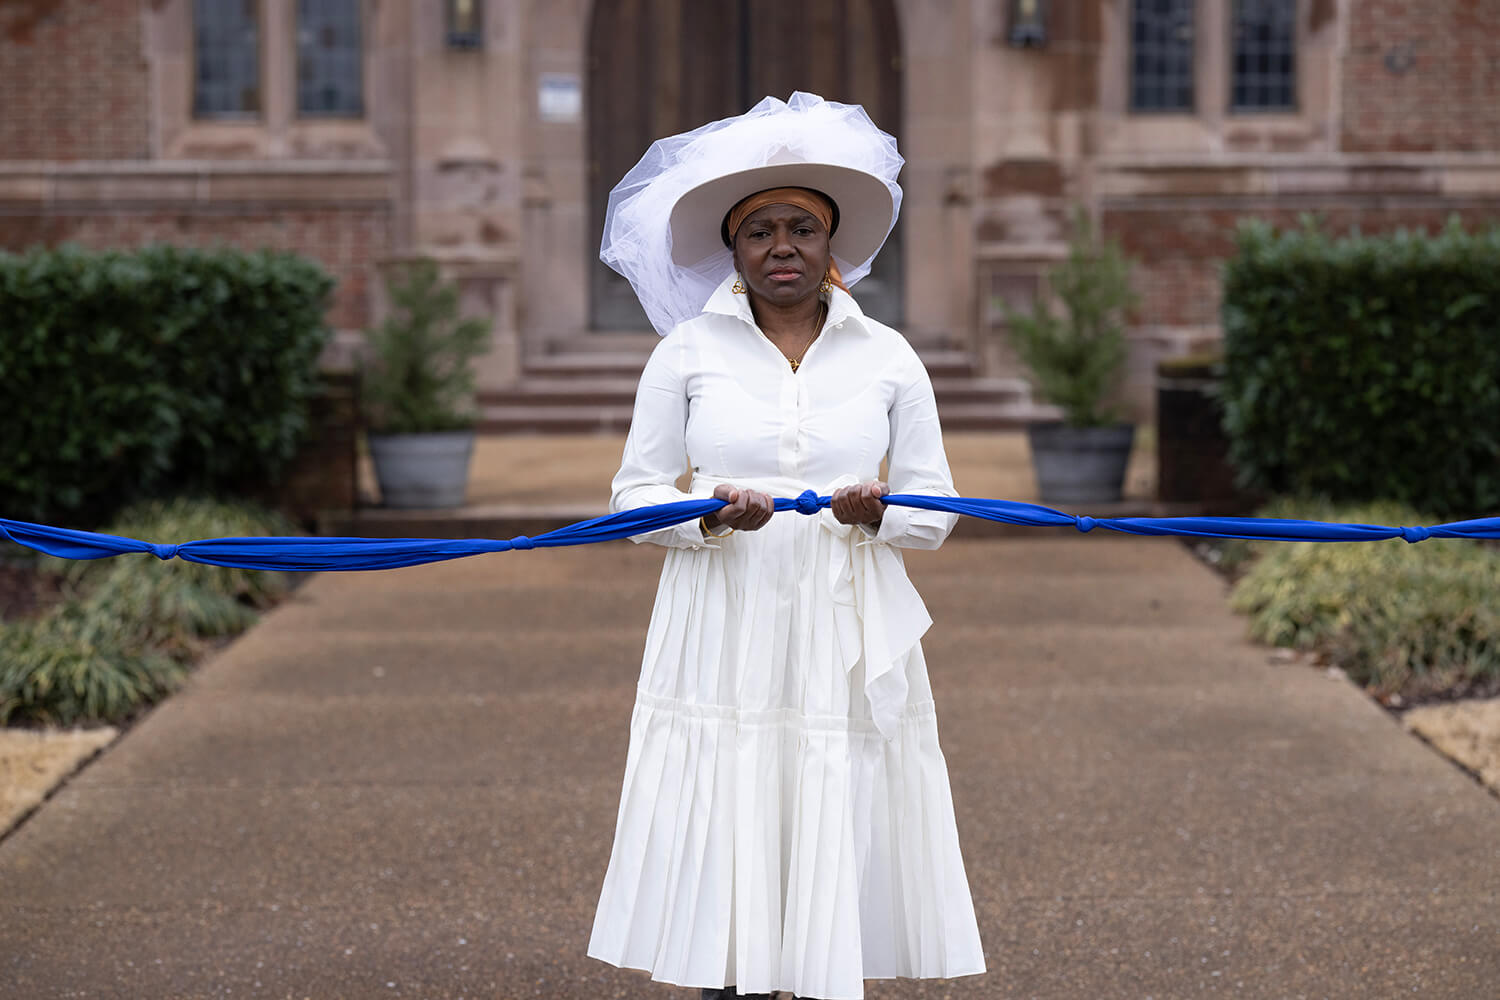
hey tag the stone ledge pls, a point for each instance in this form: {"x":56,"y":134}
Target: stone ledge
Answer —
{"x":1468,"y":732}
{"x":129,"y":183}
{"x":35,"y":761}
{"x":1437,"y":177}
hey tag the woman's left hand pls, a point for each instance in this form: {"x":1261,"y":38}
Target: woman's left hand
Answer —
{"x":859,"y":504}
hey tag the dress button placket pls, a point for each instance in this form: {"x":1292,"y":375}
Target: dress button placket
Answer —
{"x":801,"y":427}
{"x":791,"y":428}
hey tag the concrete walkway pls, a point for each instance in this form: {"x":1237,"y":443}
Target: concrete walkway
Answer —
{"x":403,"y":784}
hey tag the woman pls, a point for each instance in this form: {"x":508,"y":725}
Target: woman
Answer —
{"x":786,"y":821}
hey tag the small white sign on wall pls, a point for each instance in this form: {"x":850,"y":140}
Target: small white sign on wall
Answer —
{"x":559,"y":98}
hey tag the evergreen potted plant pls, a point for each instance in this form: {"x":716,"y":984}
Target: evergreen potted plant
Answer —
{"x":1076,"y":352}
{"x":417,"y":390}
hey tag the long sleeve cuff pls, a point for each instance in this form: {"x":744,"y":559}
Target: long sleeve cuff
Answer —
{"x":911,"y":527}
{"x":688,"y":535}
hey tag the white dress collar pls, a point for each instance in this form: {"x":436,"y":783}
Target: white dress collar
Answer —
{"x":841,"y":305}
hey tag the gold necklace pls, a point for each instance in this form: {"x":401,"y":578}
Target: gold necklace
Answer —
{"x":817,"y":328}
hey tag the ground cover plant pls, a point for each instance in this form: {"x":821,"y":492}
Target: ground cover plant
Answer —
{"x":128,"y":627}
{"x":1410,"y":622}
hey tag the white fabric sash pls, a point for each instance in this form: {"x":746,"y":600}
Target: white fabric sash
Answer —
{"x":878,"y":615}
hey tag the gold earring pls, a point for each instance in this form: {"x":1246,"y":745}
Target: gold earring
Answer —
{"x":739,"y":285}
{"x":826,"y":286}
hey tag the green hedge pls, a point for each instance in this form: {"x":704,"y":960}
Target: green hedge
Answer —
{"x":136,"y":373}
{"x":1366,"y":367}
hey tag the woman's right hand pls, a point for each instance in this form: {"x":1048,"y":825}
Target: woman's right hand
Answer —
{"x":744,"y":510}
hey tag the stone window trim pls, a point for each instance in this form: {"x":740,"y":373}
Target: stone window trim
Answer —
{"x":278,"y":132}
{"x":1214,"y":128}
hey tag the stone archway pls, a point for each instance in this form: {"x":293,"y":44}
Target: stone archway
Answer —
{"x":658,"y":67}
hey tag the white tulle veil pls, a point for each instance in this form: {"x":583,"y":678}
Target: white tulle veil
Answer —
{"x":637,"y":235}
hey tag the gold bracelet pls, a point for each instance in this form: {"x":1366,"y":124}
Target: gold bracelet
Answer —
{"x":711,"y":533}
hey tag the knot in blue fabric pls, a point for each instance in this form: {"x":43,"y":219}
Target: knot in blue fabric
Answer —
{"x":165,"y":552}
{"x":1085,"y":523}
{"x":1415,"y":534}
{"x":807,"y":502}
{"x":522,"y":542}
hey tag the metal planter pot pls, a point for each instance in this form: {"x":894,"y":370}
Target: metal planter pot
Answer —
{"x":422,"y":470}
{"x":1080,"y":464}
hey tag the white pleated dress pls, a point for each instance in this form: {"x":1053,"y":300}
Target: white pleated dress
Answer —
{"x":786,"y":821}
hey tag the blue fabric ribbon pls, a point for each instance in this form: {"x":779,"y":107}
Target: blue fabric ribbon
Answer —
{"x":313,"y":554}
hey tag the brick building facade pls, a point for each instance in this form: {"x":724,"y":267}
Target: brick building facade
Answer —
{"x":486,"y":132}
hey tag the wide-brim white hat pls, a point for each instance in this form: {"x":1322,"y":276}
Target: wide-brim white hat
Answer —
{"x":863,"y":207}
{"x":664,"y":223}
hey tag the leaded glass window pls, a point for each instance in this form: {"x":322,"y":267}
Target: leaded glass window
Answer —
{"x":330,"y":66}
{"x":226,"y":58}
{"x":1161,"y":55}
{"x":1264,"y":61}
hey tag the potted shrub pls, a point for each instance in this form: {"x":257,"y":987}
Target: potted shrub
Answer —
{"x":1076,"y":352}
{"x":418,"y":390}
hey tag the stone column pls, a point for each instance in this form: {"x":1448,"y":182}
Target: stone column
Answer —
{"x":465,"y":157}
{"x":937,"y":50}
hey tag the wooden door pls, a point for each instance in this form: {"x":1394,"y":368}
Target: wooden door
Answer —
{"x":659,"y":67}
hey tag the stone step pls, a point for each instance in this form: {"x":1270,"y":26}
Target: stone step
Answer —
{"x":994,"y":416}
{"x":588,"y":364}
{"x":615,"y":418}
{"x":941,"y":362}
{"x":594,"y":392}
{"x":944,"y":362}
{"x":566,"y":419}
{"x":556,"y":390}
{"x":550,"y":391}
{"x":951,"y":390}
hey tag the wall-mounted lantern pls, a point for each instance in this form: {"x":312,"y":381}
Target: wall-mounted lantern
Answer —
{"x":465,"y":23}
{"x":1028,"y":24}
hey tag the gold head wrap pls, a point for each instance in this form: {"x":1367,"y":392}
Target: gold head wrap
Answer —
{"x":812,"y":202}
